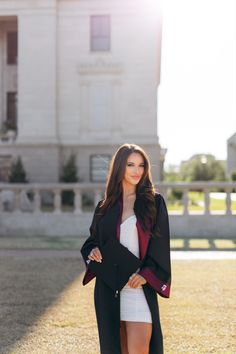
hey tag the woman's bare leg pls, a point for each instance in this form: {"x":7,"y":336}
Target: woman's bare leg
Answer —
{"x":138,"y":337}
{"x":123,"y":338}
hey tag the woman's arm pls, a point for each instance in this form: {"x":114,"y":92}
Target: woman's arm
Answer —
{"x":91,"y":241}
{"x":156,"y":268}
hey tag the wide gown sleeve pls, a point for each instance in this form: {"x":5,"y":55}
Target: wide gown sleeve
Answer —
{"x":156,"y":268}
{"x":87,"y":247}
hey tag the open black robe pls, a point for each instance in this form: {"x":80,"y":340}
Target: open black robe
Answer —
{"x":155,"y":268}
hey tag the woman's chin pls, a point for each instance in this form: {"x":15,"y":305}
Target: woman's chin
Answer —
{"x":134,"y":182}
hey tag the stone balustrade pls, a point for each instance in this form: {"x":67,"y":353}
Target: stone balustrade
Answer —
{"x":22,"y":209}
{"x":56,"y":189}
{"x":205,"y":187}
{"x":98,"y":189}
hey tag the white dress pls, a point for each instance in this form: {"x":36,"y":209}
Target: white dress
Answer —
{"x":133,"y":303}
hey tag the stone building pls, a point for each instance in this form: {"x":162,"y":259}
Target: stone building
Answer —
{"x":78,"y":76}
{"x":231,"y":155}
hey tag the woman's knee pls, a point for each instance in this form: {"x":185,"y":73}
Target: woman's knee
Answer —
{"x":138,"y":347}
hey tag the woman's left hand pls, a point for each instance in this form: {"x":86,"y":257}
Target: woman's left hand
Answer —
{"x":136,"y":280}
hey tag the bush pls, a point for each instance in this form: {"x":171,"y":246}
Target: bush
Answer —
{"x":175,"y":195}
{"x":233,"y":176}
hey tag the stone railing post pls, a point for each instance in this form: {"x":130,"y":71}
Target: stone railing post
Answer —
{"x":78,"y":201}
{"x":57,"y":200}
{"x":17,"y":206}
{"x":163,"y":191}
{"x":37,"y":201}
{"x":185,"y":202}
{"x":228,"y":202}
{"x":206,"y":201}
{"x":97,"y":197}
{"x":1,"y":202}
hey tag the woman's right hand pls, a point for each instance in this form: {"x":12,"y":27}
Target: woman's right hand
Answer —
{"x":95,"y":255}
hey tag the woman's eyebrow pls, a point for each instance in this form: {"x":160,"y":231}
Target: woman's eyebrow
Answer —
{"x":141,"y":163}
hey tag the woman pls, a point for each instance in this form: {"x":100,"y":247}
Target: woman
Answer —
{"x":134,"y":213}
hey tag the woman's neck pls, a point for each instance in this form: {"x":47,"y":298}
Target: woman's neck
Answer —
{"x":128,"y":191}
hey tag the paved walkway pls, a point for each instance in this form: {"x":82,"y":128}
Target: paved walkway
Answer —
{"x":40,"y":253}
{"x":175,"y":255}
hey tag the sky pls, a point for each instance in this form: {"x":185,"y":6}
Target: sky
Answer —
{"x":197,"y":92}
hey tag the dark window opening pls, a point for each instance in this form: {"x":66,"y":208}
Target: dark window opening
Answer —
{"x":11,"y":120}
{"x":100,"y":33}
{"x":99,"y":166}
{"x":12,"y":48}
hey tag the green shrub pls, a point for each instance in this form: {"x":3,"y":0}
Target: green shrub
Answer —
{"x":69,"y":175}
{"x":175,"y":196}
{"x":17,"y":172}
{"x":233,"y":176}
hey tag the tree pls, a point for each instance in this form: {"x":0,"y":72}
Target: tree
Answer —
{"x":202,"y":168}
{"x":233,"y":176}
{"x":17,"y":172}
{"x":69,"y":175}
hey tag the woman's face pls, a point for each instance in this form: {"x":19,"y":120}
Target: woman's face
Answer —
{"x":134,"y":168}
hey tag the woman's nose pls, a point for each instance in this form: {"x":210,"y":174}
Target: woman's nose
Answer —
{"x":136,"y":169}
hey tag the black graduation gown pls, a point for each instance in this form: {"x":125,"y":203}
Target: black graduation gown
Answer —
{"x":155,"y":268}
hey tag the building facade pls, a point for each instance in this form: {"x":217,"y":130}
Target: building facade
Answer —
{"x":78,"y":76}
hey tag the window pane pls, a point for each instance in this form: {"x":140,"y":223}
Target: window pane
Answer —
{"x":100,"y":26}
{"x":11,"y":109}
{"x":105,"y":27}
{"x":99,"y":165}
{"x":100,"y":33}
{"x":95,"y":26}
{"x":12,"y":48}
{"x":100,"y":44}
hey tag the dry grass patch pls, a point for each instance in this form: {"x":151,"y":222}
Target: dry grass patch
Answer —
{"x":198,"y":243}
{"x":46,"y":310}
{"x":225,"y":244}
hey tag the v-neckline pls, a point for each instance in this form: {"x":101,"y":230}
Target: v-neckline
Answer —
{"x":127,"y":219}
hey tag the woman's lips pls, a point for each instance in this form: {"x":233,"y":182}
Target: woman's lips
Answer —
{"x":135,"y":177}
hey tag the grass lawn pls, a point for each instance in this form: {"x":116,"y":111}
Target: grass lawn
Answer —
{"x":46,"y":310}
{"x":196,"y":203}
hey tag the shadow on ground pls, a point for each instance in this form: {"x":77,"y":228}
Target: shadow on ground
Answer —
{"x":203,"y":244}
{"x":33,"y":280}
{"x":75,"y":243}
{"x":29,"y":285}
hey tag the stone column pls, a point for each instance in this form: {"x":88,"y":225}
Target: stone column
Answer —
{"x":1,"y":76}
{"x":37,"y":74}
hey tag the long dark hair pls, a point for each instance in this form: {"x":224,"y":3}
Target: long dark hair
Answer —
{"x":144,"y":205}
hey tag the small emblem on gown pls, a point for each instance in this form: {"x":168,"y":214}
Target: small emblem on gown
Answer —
{"x":163,"y":288}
